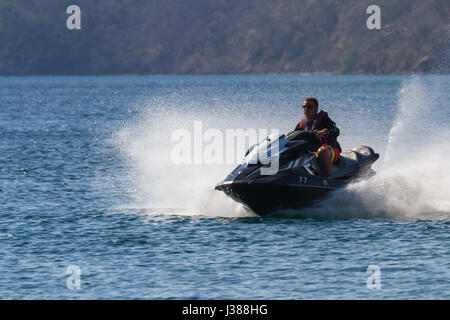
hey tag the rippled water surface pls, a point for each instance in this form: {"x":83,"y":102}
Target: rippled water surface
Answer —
{"x":87,"y":181}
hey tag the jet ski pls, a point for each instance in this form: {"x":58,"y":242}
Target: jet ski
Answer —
{"x":282,"y":172}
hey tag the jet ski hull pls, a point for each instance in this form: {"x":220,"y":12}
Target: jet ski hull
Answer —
{"x":297,"y":181}
{"x":263,"y":198}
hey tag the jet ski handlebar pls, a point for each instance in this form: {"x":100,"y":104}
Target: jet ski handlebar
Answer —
{"x":305,"y":135}
{"x":297,"y":135}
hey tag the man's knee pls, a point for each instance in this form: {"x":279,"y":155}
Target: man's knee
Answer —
{"x":324,"y":152}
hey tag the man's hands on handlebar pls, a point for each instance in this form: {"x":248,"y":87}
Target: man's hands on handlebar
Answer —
{"x":321,"y":134}
{"x":302,"y":135}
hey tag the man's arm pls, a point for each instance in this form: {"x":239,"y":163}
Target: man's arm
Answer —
{"x":333,"y":130}
{"x":308,"y":134}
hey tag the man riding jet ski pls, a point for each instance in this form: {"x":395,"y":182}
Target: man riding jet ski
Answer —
{"x":309,"y":164}
{"x":324,"y":131}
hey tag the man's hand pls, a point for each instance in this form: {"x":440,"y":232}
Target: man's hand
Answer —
{"x":321,"y":134}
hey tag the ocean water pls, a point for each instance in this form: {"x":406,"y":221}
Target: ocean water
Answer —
{"x":92,"y":207}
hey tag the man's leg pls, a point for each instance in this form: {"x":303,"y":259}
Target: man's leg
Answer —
{"x":325,"y":161}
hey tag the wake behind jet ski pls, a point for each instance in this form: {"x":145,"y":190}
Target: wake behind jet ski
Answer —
{"x":299,"y":179}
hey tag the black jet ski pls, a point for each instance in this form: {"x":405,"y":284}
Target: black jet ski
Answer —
{"x":282,"y":172}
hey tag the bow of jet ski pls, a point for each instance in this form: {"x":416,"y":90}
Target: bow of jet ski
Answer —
{"x":298,"y":180}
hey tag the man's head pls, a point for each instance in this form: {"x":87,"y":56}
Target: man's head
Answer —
{"x":310,"y":108}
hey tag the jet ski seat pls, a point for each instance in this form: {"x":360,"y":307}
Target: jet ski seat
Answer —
{"x":350,"y":160}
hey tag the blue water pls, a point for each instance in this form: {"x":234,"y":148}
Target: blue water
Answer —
{"x":86,"y":180}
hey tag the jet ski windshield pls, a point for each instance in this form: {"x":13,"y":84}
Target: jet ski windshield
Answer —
{"x":268,"y":149}
{"x":274,"y":147}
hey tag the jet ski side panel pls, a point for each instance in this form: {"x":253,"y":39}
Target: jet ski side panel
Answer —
{"x":268,"y":195}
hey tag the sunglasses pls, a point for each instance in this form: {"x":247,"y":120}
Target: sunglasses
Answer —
{"x":308,"y":106}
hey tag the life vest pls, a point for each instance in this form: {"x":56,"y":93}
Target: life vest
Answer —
{"x":316,"y":122}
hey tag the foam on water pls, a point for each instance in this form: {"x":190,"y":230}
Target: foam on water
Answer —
{"x":160,"y":185}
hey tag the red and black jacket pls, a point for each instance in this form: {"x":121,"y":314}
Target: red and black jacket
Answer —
{"x":320,"y":122}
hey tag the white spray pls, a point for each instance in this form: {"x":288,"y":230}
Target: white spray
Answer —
{"x":161,"y":186}
{"x":413,"y":182}
{"x":415,"y":176}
